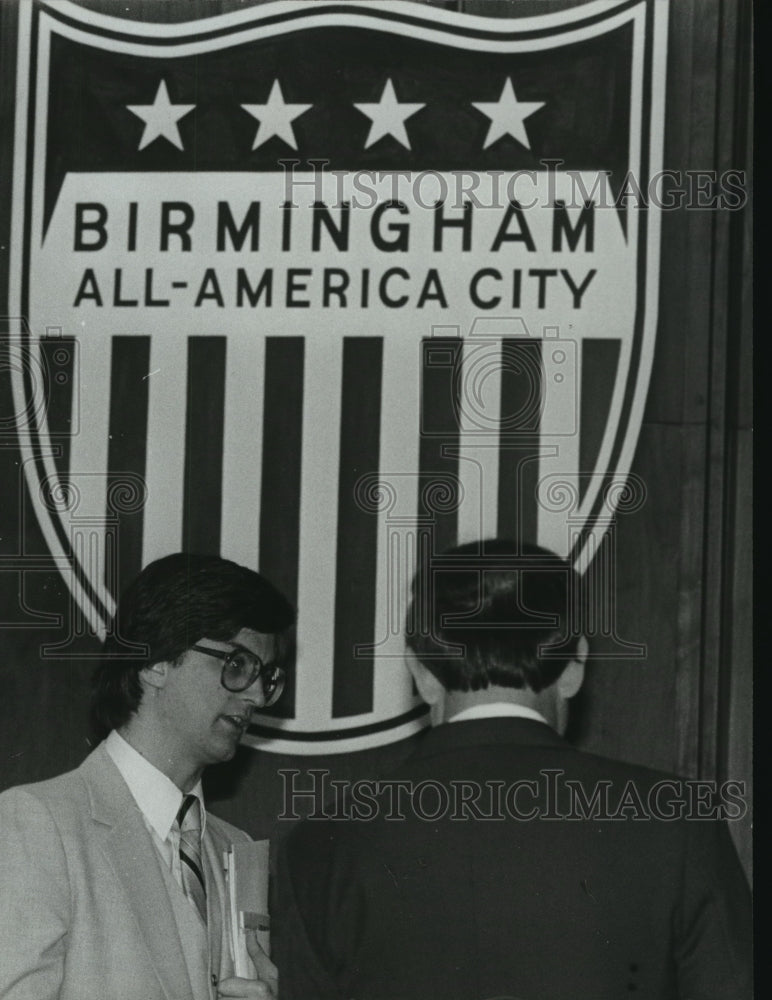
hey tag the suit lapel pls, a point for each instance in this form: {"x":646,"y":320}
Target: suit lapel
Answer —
{"x":129,"y":848}
{"x":214,"y":845}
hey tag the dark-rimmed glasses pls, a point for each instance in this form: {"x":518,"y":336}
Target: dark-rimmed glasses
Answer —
{"x":241,"y":668}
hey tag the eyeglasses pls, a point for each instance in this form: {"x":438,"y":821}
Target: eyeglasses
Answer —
{"x":241,"y":668}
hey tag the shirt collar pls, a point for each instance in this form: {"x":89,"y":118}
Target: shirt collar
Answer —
{"x":497,"y":709}
{"x":157,"y":797}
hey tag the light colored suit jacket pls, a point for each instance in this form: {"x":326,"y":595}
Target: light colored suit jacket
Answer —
{"x":84,"y":910}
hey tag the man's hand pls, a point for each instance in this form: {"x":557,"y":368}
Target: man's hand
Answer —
{"x":265,"y":987}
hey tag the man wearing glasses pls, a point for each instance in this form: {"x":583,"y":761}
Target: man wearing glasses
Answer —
{"x":111,"y":876}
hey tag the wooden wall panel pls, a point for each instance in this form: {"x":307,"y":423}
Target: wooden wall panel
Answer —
{"x":737,"y":762}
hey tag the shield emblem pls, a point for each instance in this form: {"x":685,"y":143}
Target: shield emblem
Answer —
{"x":320,"y":287}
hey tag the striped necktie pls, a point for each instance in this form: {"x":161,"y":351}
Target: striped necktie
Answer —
{"x":189,"y":822}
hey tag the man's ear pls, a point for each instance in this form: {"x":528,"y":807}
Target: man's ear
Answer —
{"x":430,"y":689}
{"x":155,"y":675}
{"x":572,"y":678}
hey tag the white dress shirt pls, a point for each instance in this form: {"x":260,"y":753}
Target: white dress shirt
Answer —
{"x":157,"y":798}
{"x":496,"y":710}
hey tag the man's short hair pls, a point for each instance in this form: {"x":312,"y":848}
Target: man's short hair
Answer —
{"x":173,"y":603}
{"x":494,"y":612}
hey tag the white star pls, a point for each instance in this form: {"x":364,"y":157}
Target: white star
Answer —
{"x":508,"y":115}
{"x":388,"y":117}
{"x":161,"y":118}
{"x":275,"y":117}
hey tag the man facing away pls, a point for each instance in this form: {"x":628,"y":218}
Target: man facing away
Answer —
{"x":111,"y":882}
{"x":499,"y":863}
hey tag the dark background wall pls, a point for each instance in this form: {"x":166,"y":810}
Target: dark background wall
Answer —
{"x":683,"y":583}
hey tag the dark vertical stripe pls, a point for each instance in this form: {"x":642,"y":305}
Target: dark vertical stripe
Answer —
{"x":357,"y":542}
{"x":600,"y":359}
{"x":280,"y":489}
{"x":439,"y":438}
{"x":126,"y":460}
{"x":202,"y":513}
{"x":59,"y":358}
{"x":522,"y":393}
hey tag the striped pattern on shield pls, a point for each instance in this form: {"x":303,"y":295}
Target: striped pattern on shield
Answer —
{"x":473,"y":423}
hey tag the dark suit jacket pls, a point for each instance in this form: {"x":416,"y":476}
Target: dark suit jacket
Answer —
{"x":467,"y":902}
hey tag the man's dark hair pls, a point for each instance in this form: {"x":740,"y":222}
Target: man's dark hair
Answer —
{"x":494,"y":612}
{"x":173,"y":604}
